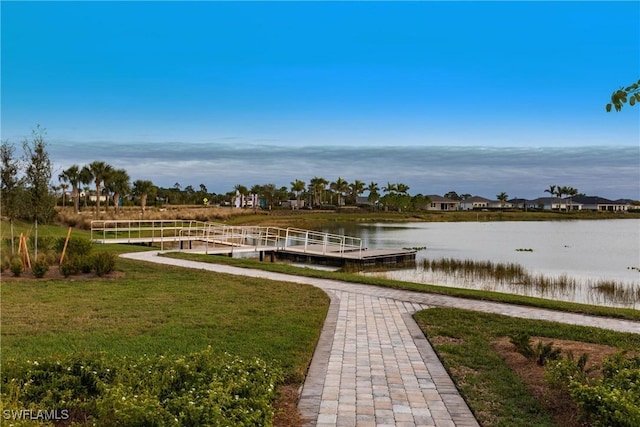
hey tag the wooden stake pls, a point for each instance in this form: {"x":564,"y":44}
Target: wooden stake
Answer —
{"x":66,"y":242}
{"x":26,"y":261}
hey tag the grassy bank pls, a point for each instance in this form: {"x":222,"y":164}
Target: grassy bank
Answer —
{"x":497,"y":396}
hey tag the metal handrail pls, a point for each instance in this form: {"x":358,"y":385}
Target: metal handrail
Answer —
{"x":210,"y":232}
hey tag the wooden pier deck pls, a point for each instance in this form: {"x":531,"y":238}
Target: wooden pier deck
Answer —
{"x":293,"y":244}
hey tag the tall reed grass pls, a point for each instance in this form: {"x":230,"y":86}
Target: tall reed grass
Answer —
{"x":515,"y":275}
{"x":83,"y":219}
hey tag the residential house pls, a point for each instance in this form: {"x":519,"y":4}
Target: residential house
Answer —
{"x":475,"y":202}
{"x":596,"y":203}
{"x":556,"y":204}
{"x":497,"y":204}
{"x":439,"y":203}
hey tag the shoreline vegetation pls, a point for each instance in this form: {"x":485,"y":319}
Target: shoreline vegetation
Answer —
{"x":316,"y":218}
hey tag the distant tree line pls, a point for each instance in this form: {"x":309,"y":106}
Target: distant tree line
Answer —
{"x":27,"y":193}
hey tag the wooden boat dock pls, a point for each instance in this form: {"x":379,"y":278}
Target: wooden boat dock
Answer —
{"x":294,"y":244}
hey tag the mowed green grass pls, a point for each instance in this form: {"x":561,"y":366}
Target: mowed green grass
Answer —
{"x":153,"y":309}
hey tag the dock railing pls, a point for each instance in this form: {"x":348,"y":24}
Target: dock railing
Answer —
{"x":210,"y":233}
{"x":318,"y":241}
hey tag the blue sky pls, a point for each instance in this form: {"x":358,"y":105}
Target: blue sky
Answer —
{"x":476,"y":97}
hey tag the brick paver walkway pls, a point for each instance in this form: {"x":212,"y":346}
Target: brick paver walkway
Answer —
{"x":372,"y":365}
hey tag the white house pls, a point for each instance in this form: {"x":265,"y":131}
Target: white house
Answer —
{"x":596,"y":203}
{"x":439,"y":203}
{"x":475,"y":202}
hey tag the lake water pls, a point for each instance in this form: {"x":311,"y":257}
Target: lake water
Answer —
{"x":587,"y":251}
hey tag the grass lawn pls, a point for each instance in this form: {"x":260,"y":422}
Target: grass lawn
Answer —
{"x":497,"y":396}
{"x":150,"y":309}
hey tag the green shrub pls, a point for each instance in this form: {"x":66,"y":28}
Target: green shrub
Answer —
{"x":543,"y":353}
{"x":563,"y":371}
{"x":44,"y":242}
{"x":52,"y":257}
{"x":522,"y":341}
{"x":40,"y":267}
{"x":614,"y":400}
{"x":197,"y":389}
{"x":5,"y":261}
{"x":76,"y":247}
{"x":85,"y":263}
{"x":16,"y":266}
{"x":70,"y":267}
{"x":103,"y":263}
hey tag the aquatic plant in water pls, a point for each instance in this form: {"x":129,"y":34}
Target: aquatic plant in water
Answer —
{"x":514,"y":274}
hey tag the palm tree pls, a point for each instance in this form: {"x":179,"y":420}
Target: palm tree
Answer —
{"x":119,"y":185}
{"x":298,"y":187}
{"x":269,"y":191}
{"x":551,"y":190}
{"x":502,"y":198}
{"x":55,"y":189}
{"x":86,"y":177}
{"x":340,"y":186}
{"x":571,"y":192}
{"x":143,"y":189}
{"x":64,"y":187}
{"x":318,"y":185}
{"x":402,"y":188}
{"x":374,"y":196}
{"x":100,"y":172}
{"x":73,"y":177}
{"x":356,"y":188}
{"x":390,"y":188}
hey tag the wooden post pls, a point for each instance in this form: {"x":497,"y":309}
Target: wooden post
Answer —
{"x":24,"y":251}
{"x":66,"y":242}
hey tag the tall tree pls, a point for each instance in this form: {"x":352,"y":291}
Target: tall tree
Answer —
{"x":502,"y":198}
{"x":374,"y":195}
{"x":38,"y":177}
{"x":318,"y":186}
{"x":86,"y":178}
{"x":620,"y":97}
{"x":356,"y":188}
{"x":551,"y":190}
{"x":298,"y":187}
{"x":269,"y":192}
{"x":143,"y":189}
{"x":119,"y":185}
{"x":10,"y":183}
{"x":402,"y":188}
{"x":100,"y":172}
{"x":72,"y":176}
{"x":390,"y":188}
{"x":340,"y":186}
{"x":571,"y":192}
{"x":10,"y":186}
{"x":64,"y":187}
{"x":452,"y":195}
